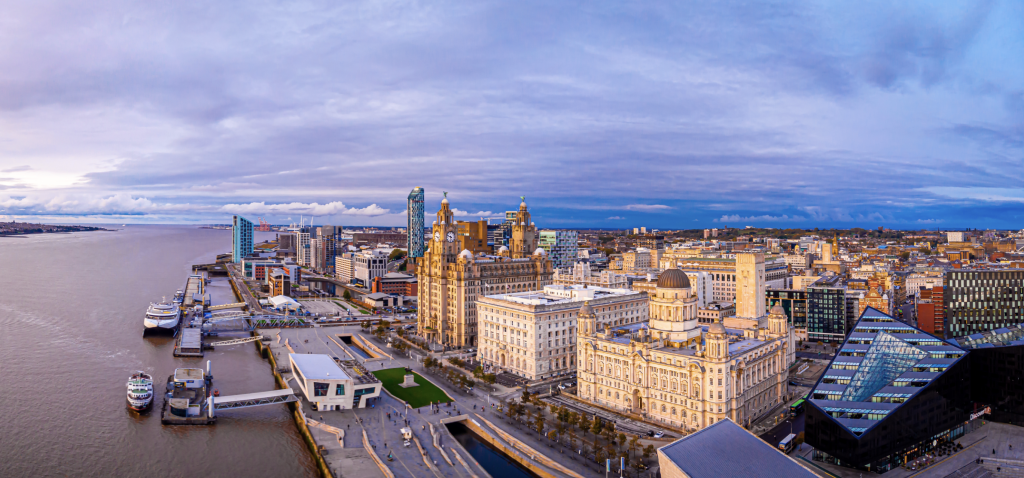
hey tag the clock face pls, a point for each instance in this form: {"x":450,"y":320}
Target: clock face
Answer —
{"x":437,"y":236}
{"x":451,"y":237}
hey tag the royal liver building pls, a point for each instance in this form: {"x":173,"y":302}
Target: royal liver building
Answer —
{"x":451,"y":281}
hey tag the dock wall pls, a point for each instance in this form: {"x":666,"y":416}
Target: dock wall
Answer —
{"x":295,"y":408}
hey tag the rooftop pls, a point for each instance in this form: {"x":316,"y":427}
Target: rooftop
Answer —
{"x":318,"y":367}
{"x":563,"y":294}
{"x":883,"y":361}
{"x":726,"y":449}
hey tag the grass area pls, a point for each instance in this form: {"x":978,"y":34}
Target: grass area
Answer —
{"x":416,"y":397}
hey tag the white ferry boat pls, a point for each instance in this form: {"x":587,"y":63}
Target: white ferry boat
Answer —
{"x":162,"y":316}
{"x":179,"y":297}
{"x":140,"y":391}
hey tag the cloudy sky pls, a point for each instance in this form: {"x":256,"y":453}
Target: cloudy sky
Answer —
{"x":622,"y":114}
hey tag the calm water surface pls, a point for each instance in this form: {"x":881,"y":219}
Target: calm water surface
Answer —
{"x":71,"y":310}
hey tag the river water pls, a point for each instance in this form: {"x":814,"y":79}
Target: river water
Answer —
{"x":71,"y":311}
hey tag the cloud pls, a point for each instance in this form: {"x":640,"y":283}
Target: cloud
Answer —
{"x":928,"y":221}
{"x":89,"y":204}
{"x":484,"y":214}
{"x":647,"y":207}
{"x":654,"y":108}
{"x":762,"y":218}
{"x":615,"y":218}
{"x":310,"y":209}
{"x":16,"y":169}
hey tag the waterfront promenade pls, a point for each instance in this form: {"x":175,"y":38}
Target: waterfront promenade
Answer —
{"x":383,"y":430}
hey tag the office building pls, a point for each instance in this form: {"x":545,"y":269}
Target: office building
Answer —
{"x":396,"y":283}
{"x":450,"y":281}
{"x":895,"y":393}
{"x":826,"y":314}
{"x":279,"y":282}
{"x":931,"y":314}
{"x":533,"y":334}
{"x":473,"y":236}
{"x":723,"y":272}
{"x":582,"y":274}
{"x":303,"y":253}
{"x":982,"y":300}
{"x":414,"y":233}
{"x":561,"y":246}
{"x":368,"y":265}
{"x":637,"y":262}
{"x":241,"y":238}
{"x":793,"y":302}
{"x":677,"y":372}
{"x":344,"y":267}
{"x":651,"y":242}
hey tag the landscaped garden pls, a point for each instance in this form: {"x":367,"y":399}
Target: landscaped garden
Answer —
{"x":416,"y":397}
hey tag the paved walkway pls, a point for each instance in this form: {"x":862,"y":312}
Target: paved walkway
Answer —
{"x":383,"y":431}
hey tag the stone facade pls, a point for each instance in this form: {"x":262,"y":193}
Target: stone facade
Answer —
{"x":533,"y":334}
{"x":677,"y":372}
{"x":450,"y":281}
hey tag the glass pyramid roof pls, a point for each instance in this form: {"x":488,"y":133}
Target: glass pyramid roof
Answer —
{"x":887,"y":358}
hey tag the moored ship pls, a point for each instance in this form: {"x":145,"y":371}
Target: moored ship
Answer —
{"x":140,"y":391}
{"x":162,"y":316}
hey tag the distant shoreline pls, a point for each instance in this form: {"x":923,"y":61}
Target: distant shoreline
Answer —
{"x":27,"y":230}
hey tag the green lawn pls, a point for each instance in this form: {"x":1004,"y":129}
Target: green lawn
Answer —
{"x":416,"y":397}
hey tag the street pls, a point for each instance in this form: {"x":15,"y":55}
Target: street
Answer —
{"x":790,"y":425}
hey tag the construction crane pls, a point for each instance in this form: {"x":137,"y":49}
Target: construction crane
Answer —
{"x":264,"y":225}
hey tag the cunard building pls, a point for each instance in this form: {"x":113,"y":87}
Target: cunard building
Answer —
{"x":451,"y":281}
{"x":676,"y":371}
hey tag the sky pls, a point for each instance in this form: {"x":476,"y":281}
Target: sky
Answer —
{"x":674,"y":115}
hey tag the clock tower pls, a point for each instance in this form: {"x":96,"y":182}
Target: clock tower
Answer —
{"x":450,"y":281}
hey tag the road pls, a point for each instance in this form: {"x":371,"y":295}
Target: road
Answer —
{"x":252,"y":302}
{"x":790,"y":425}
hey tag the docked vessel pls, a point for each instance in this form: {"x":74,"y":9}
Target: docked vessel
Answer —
{"x":179,"y":297}
{"x":162,"y":316}
{"x":140,"y":391}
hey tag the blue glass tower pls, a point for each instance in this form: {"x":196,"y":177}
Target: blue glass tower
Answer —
{"x":415,"y":230}
{"x":241,"y":238}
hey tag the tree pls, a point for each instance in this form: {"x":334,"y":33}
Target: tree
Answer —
{"x":648,"y":451}
{"x":520,"y":410}
{"x":584,"y":422}
{"x":478,"y":371}
{"x":366,"y":324}
{"x":490,"y":378}
{"x":539,"y":425}
{"x":396,"y":254}
{"x":526,"y":396}
{"x":632,"y":442}
{"x":596,"y":427}
{"x":347,"y":295}
{"x":574,"y":418}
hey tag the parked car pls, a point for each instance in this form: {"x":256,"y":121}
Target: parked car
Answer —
{"x":659,"y":435}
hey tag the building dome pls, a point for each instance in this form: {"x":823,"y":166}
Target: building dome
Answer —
{"x":503,"y":249}
{"x":586,"y":309}
{"x":540,"y":252}
{"x":466,"y":254}
{"x":716,"y":328}
{"x":777,"y":310}
{"x":673,"y":279}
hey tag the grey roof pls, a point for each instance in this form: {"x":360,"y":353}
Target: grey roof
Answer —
{"x":724,"y":449}
{"x":315,"y":366}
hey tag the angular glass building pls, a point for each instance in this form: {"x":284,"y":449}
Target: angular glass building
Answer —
{"x":415,"y":229}
{"x":894,"y":392}
{"x":241,"y":238}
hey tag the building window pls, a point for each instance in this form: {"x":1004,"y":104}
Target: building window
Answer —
{"x":340,"y":389}
{"x":320,"y":389}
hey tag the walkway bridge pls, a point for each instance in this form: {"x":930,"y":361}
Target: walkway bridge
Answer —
{"x":226,"y":306}
{"x":248,"y":323}
{"x":244,"y":340}
{"x":257,"y":399}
